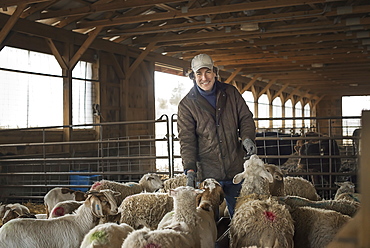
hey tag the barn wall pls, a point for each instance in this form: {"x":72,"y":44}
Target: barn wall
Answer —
{"x":328,"y":107}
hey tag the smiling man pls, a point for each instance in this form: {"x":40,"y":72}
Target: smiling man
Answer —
{"x":216,"y":129}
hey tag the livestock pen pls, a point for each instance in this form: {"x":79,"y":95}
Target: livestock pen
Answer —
{"x":38,"y":160}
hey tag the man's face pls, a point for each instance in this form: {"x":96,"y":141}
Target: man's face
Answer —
{"x":205,"y":79}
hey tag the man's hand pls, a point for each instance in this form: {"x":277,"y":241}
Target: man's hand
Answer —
{"x":192,"y":178}
{"x":250,"y":147}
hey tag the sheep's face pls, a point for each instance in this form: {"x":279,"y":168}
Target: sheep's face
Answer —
{"x":103,"y":203}
{"x":151,"y":182}
{"x":253,"y":167}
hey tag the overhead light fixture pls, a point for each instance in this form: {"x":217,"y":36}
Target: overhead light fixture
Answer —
{"x":249,"y":27}
{"x":317,"y":65}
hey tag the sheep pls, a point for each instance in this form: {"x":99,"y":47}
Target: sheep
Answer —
{"x":276,"y":188}
{"x":65,"y":231}
{"x":13,"y":211}
{"x":174,"y":182}
{"x":343,"y":206}
{"x":298,"y":186}
{"x":65,"y":207}
{"x":149,"y":182}
{"x":107,"y":235}
{"x":59,"y":194}
{"x":346,"y":191}
{"x":145,"y":209}
{"x":187,"y":226}
{"x":259,"y":219}
{"x":213,"y":196}
{"x":316,"y":228}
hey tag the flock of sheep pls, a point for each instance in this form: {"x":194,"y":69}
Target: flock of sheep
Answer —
{"x":272,"y":211}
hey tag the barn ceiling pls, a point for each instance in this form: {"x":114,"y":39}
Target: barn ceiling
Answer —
{"x":315,"y":47}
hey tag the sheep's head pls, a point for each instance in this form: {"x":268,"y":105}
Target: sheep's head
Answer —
{"x":277,"y":186}
{"x":151,"y":182}
{"x":102,"y":202}
{"x":346,"y":186}
{"x":253,"y":167}
{"x":213,"y":194}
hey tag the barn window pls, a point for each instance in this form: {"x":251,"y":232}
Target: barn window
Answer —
{"x":277,"y":112}
{"x":288,"y":114}
{"x":31,"y":90}
{"x":263,"y":111}
{"x":249,"y":99}
{"x":298,"y":114}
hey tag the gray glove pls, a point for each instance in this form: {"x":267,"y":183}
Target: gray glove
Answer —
{"x":250,"y":147}
{"x":192,"y":178}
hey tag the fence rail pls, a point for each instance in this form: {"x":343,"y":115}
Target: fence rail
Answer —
{"x":28,"y":169}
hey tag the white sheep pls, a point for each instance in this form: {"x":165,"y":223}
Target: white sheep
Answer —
{"x":298,"y":186}
{"x":65,"y":231}
{"x":316,"y":228}
{"x":346,"y":207}
{"x":187,"y":226}
{"x":107,"y":235}
{"x":346,"y":191}
{"x":145,"y":209}
{"x":65,"y":207}
{"x":59,"y":194}
{"x":149,"y":182}
{"x":259,"y":219}
{"x":174,"y":182}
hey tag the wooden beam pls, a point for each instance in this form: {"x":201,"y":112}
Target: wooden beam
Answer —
{"x":96,"y":8}
{"x":8,"y":3}
{"x":84,"y":47}
{"x":139,"y":59}
{"x":266,"y":87}
{"x":63,"y":64}
{"x":268,"y":4}
{"x":117,"y":66}
{"x":280,"y":91}
{"x":233,"y":75}
{"x":250,"y":83}
{"x":11,"y":22}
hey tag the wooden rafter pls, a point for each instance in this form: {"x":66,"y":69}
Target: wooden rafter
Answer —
{"x":11,"y":22}
{"x":139,"y":59}
{"x":233,"y":75}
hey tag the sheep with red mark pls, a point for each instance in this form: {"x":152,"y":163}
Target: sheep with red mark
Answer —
{"x":65,"y":207}
{"x":259,"y":219}
{"x":65,"y":231}
{"x":60,"y":194}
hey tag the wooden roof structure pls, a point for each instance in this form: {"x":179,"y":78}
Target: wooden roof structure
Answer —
{"x":313,"y":47}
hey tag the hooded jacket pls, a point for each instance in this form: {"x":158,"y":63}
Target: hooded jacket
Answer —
{"x":210,"y":139}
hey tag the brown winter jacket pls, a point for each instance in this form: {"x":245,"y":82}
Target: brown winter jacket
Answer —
{"x":210,"y":139}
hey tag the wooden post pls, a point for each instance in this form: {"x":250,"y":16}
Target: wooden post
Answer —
{"x":364,"y":228}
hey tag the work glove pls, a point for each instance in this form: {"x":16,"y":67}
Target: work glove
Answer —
{"x":250,"y":147}
{"x":192,"y":178}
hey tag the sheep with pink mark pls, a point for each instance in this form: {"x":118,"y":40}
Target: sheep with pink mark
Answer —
{"x":60,"y":194}
{"x":187,"y":226}
{"x":259,"y":219}
{"x":65,"y":207}
{"x":65,"y":231}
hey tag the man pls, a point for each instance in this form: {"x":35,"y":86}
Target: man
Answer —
{"x":214,"y":124}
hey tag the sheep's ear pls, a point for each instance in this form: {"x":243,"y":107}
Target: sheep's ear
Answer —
{"x":199,"y":191}
{"x":238,"y":178}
